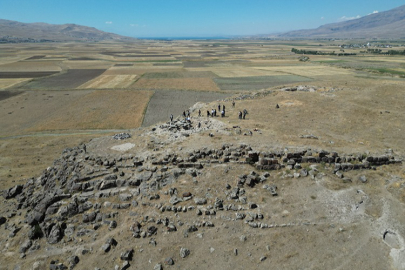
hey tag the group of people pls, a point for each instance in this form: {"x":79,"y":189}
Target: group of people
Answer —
{"x":212,"y":113}
{"x":243,"y":115}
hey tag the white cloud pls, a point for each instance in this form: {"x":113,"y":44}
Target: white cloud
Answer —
{"x":344,"y":18}
{"x":322,"y":18}
{"x":374,"y":12}
{"x":108,"y":22}
{"x":137,"y":25}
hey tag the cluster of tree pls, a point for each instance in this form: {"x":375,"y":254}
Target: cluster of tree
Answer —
{"x":373,"y":51}
{"x":395,"y":52}
{"x":389,"y":52}
{"x":296,"y":51}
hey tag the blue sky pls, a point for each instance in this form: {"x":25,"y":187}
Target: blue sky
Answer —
{"x":192,"y":18}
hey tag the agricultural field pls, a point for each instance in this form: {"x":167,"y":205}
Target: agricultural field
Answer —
{"x":6,"y":83}
{"x":110,"y":81}
{"x":91,"y":89}
{"x":68,"y":80}
{"x":258,"y":82}
{"x":167,"y":102}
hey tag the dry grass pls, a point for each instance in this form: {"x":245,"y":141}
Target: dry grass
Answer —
{"x":107,"y":109}
{"x":202,"y":84}
{"x":109,"y":81}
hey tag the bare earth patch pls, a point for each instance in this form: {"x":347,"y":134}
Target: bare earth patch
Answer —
{"x":123,"y":147}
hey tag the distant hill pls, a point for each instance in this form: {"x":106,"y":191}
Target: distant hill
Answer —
{"x":387,"y":24}
{"x":12,"y":31}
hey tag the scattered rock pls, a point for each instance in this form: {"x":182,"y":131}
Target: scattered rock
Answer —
{"x":175,"y":200}
{"x":200,"y":201}
{"x":73,"y":261}
{"x":25,"y":246}
{"x":184,"y":252}
{"x":2,"y":220}
{"x":158,"y":266}
{"x":108,"y":244}
{"x":363,"y":178}
{"x":127,"y":255}
{"x":169,"y":261}
{"x":121,"y":136}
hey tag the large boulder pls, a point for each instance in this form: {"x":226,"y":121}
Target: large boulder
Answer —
{"x":55,"y":235}
{"x":12,"y":192}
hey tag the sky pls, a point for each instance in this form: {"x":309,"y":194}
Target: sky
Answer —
{"x":192,"y":18}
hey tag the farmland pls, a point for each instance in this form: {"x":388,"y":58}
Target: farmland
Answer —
{"x":82,"y":89}
{"x":56,"y":97}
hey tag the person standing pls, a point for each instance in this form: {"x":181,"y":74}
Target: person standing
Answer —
{"x":171,"y":118}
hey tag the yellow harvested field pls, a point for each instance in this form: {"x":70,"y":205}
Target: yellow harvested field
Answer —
{"x":99,"y":109}
{"x":5,"y":83}
{"x":308,"y":71}
{"x":109,"y":81}
{"x":203,"y":84}
{"x":31,"y":66}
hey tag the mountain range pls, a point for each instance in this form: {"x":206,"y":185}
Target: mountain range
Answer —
{"x":387,"y":24}
{"x":13,"y":31}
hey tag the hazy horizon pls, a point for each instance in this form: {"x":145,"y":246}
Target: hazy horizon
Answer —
{"x":189,"y":18}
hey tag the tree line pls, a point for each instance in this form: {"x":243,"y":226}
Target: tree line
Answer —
{"x":297,"y":51}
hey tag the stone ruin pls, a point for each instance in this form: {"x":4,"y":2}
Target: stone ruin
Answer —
{"x":79,"y":185}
